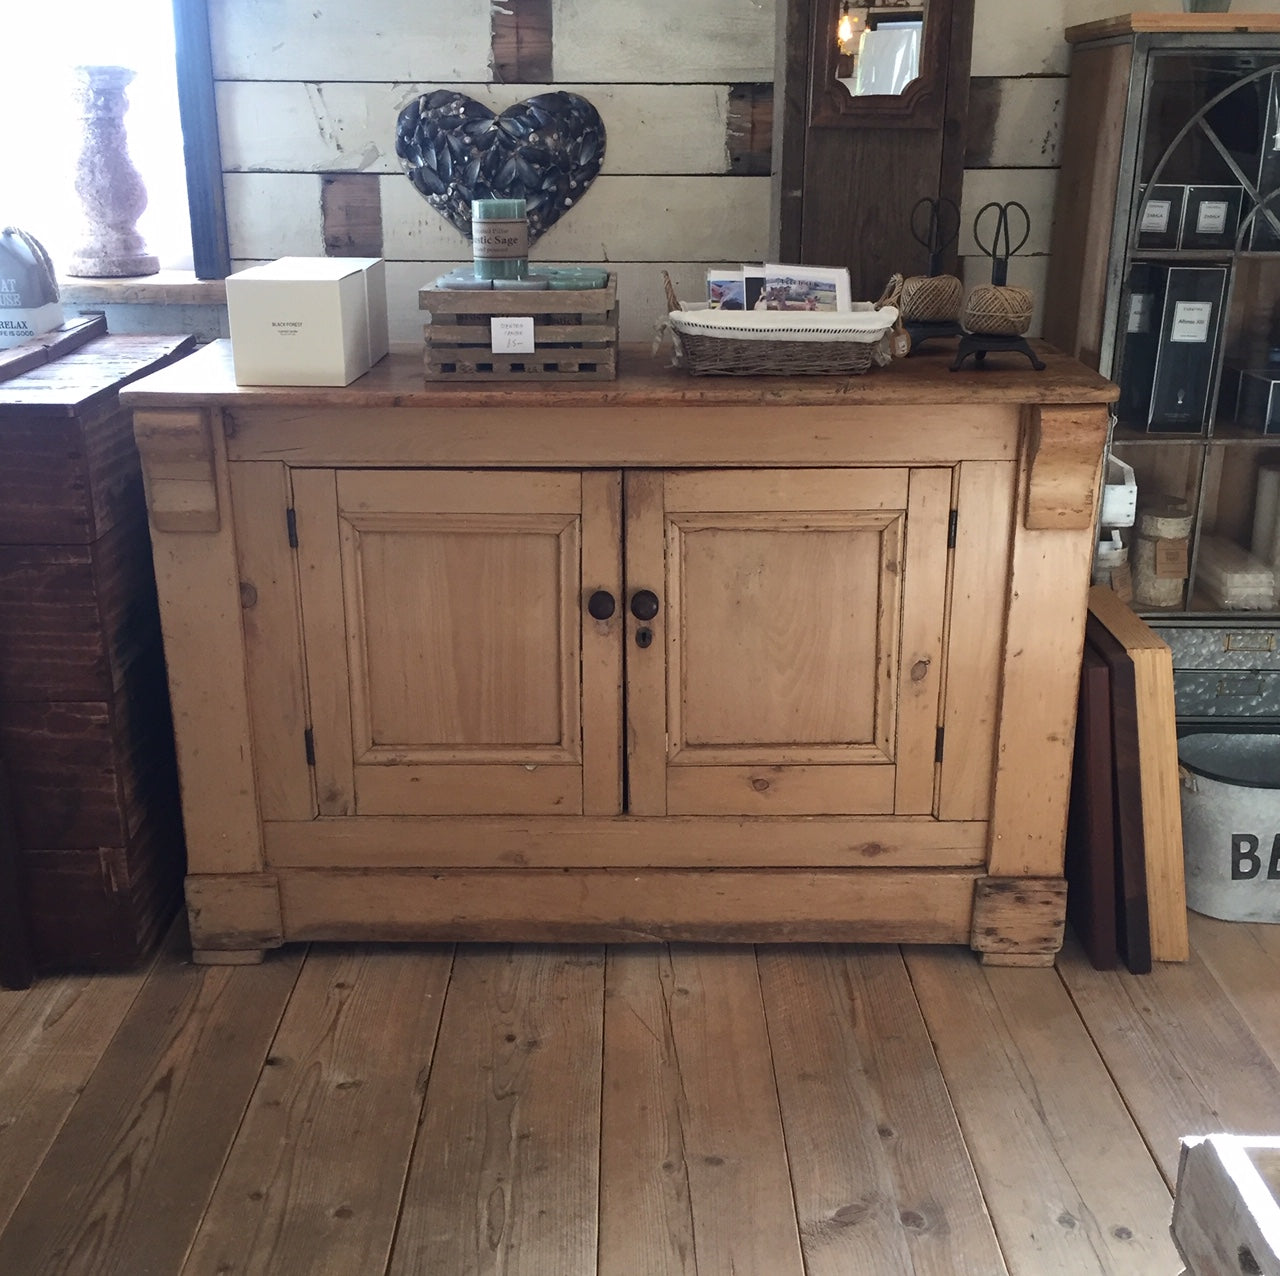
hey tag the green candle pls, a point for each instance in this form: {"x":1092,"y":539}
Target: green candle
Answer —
{"x":499,"y":238}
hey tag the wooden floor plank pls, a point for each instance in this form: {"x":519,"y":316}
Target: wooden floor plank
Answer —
{"x":1067,"y":1179}
{"x":1244,"y":958}
{"x":504,"y":1176}
{"x":881,"y":1177}
{"x":52,"y":1036}
{"x":313,"y":1181}
{"x":646,"y":1218}
{"x":123,"y":1187}
{"x":693,"y":1161}
{"x":1179,"y":1051}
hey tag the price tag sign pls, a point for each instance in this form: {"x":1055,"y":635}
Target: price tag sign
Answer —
{"x":511,"y":335}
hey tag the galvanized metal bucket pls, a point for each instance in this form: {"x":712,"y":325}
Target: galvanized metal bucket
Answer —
{"x":1231,"y":824}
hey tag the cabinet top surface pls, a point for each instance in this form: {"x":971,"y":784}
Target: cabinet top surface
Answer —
{"x":206,"y":378}
{"x":1175,"y":24}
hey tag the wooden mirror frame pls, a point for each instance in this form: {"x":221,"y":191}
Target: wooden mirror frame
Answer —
{"x":919,"y":105}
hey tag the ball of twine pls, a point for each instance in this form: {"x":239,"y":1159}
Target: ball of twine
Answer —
{"x":999,"y":310}
{"x":931,"y":298}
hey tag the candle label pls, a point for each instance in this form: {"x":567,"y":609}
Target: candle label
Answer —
{"x":1155,"y":217}
{"x":1212,"y":217}
{"x":511,"y":335}
{"x":1191,"y":321}
{"x":502,"y":239}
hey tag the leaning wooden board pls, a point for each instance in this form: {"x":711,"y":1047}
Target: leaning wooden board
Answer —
{"x":1158,"y":760}
{"x":1133,"y":927}
{"x":1091,"y":835}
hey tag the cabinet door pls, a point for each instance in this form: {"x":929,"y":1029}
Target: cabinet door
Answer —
{"x":795,"y":660}
{"x":452,"y":667}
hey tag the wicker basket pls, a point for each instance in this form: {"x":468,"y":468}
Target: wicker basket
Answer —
{"x":824,"y":350}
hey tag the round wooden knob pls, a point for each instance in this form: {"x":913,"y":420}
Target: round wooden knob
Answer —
{"x":644,"y":604}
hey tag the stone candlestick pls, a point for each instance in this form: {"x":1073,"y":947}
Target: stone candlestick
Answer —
{"x":111,"y":190}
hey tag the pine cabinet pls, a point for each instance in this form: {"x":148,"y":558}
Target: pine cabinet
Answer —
{"x":669,"y":658}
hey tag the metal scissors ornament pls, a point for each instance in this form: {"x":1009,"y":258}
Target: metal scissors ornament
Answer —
{"x":1001,"y":247}
{"x":935,"y":226}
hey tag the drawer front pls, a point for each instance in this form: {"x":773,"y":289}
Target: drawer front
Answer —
{"x":1226,"y":693}
{"x":1223,"y":646}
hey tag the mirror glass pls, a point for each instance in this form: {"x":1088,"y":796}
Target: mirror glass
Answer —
{"x":879,"y":46}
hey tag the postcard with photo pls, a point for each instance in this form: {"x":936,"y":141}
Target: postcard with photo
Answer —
{"x":724,"y":288}
{"x":823,"y":288}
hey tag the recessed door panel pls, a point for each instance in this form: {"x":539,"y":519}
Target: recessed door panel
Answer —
{"x":794,"y":609}
{"x":468,"y":653}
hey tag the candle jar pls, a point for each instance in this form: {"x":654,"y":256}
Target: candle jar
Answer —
{"x":499,"y":239}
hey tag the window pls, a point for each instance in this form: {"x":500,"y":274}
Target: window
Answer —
{"x":40,"y":129}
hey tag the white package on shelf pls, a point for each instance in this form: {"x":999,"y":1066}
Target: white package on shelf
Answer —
{"x":1233,"y":578}
{"x":1266,"y":516}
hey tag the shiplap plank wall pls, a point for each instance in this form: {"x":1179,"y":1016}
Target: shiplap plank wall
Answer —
{"x":304,"y":91}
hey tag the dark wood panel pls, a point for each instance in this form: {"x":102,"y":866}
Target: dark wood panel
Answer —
{"x":1091,"y":844}
{"x":848,"y":201}
{"x":83,"y":772}
{"x":351,"y":210}
{"x":68,"y":481}
{"x":16,"y":967}
{"x":521,"y":41}
{"x":749,"y":129}
{"x":1133,"y":921}
{"x":73,"y":618}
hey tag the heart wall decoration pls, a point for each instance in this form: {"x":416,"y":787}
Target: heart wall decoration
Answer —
{"x":545,"y":150}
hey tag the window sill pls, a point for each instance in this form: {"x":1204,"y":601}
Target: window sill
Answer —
{"x":168,"y":288}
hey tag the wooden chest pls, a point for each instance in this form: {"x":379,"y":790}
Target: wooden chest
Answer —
{"x":86,"y":737}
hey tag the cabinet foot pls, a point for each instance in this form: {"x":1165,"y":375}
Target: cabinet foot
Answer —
{"x":227,"y":956}
{"x":1018,"y":921}
{"x":1018,"y":959}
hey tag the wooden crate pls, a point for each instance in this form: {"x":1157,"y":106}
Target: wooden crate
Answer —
{"x":575,"y":334}
{"x":94,"y":839}
{"x":1226,"y":1210}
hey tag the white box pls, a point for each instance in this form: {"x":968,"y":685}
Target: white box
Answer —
{"x":307,"y":320}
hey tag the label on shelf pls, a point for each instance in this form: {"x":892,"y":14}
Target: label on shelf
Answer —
{"x":1155,"y":217}
{"x":1140,"y":308}
{"x":1191,"y":320}
{"x":1211,"y":217}
{"x":1171,"y":559}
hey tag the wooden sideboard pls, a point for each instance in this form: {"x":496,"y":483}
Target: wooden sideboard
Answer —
{"x":737,"y":659}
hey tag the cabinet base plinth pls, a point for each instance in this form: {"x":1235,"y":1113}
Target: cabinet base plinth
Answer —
{"x":1041,"y":960}
{"x":1018,"y":920}
{"x":227,"y":956}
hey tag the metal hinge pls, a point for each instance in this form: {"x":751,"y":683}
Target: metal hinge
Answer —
{"x":951,"y":528}
{"x":291,"y":524}
{"x":937,"y":744}
{"x":309,"y":743}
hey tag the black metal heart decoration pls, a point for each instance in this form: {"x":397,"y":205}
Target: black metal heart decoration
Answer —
{"x":545,"y":150}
